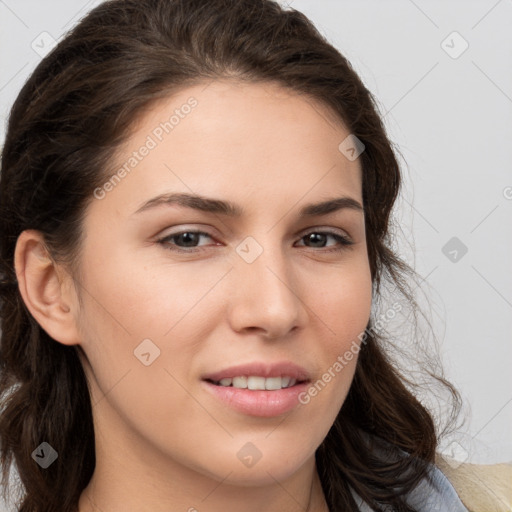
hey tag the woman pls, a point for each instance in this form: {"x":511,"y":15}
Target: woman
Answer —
{"x":196,"y":201}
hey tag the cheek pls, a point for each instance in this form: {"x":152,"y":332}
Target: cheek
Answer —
{"x":341,"y":309}
{"x":343,"y":302}
{"x":132,"y":309}
{"x":143,"y":298}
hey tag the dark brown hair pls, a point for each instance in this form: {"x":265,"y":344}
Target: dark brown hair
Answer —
{"x":69,"y":118}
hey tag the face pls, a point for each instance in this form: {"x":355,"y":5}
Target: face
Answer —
{"x":249,"y":280}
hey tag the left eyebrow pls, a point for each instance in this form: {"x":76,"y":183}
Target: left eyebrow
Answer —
{"x":329,"y":206}
{"x":219,"y":206}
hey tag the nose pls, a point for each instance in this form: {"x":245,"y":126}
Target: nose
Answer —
{"x":267,"y":297}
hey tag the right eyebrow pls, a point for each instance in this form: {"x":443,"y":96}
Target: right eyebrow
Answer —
{"x":196,"y":202}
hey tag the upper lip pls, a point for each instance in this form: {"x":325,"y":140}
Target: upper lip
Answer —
{"x":261,"y":369}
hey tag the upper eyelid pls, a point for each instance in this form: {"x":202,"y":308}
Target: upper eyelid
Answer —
{"x":304,"y":230}
{"x":325,"y":229}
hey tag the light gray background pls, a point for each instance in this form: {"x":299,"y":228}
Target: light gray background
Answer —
{"x":451,"y":116}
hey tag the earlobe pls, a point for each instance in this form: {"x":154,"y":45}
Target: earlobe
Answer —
{"x":45,"y":288}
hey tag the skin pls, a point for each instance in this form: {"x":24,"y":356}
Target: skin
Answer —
{"x":162,"y":442}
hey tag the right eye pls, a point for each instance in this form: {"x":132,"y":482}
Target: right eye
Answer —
{"x":182,"y":240}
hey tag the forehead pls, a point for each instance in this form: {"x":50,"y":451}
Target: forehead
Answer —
{"x":230,"y":139}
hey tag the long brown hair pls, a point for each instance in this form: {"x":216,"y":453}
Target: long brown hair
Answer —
{"x":69,"y":118}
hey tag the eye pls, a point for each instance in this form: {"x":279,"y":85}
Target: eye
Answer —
{"x":183,"y":239}
{"x":319,"y":239}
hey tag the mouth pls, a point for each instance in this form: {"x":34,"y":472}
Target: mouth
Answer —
{"x":259,"y":389}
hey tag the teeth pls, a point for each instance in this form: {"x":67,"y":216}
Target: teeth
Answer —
{"x":240,"y":382}
{"x":273,"y":383}
{"x":258,"y":383}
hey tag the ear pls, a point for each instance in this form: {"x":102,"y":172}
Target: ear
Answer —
{"x":46,"y":288}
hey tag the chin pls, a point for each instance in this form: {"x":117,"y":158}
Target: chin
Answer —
{"x":275,"y":464}
{"x":261,"y":476}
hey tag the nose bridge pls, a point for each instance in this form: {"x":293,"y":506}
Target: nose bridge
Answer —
{"x":267,"y":296}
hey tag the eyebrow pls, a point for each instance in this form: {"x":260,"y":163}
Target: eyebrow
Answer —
{"x":221,"y":207}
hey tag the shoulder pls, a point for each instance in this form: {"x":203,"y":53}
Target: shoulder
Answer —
{"x":481,"y":487}
{"x":455,"y":487}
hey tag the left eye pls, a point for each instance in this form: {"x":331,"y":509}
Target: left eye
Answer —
{"x":320,"y":237}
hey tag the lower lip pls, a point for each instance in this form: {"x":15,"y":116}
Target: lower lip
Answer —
{"x":262,"y":403}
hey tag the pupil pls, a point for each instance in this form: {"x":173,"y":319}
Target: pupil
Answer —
{"x":189,"y":238}
{"x":317,"y":238}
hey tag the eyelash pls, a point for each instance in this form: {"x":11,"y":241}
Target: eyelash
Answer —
{"x":343,"y":241}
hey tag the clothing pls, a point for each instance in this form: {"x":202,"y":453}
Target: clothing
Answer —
{"x":481,"y":487}
{"x":438,"y":496}
{"x":435,"y":496}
